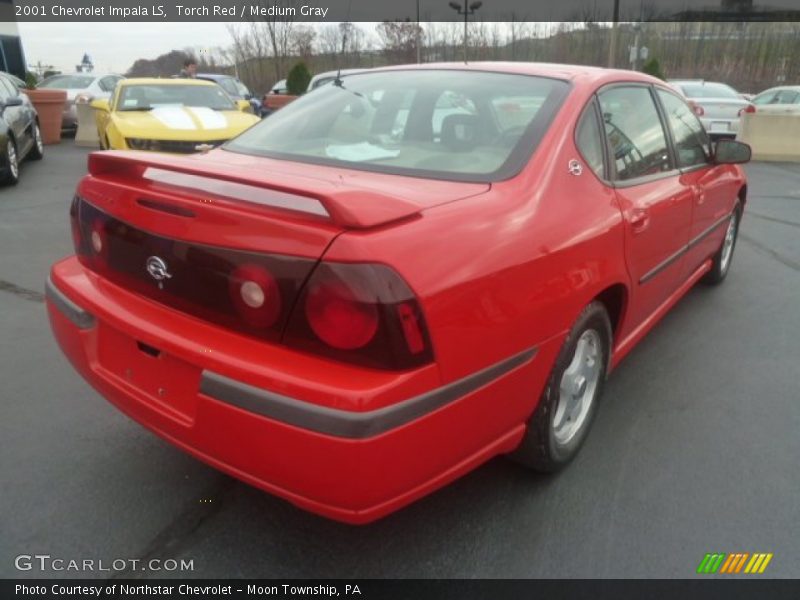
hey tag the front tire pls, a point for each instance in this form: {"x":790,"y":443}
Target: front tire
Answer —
{"x":722,"y":259}
{"x":11,"y":174}
{"x":568,"y":404}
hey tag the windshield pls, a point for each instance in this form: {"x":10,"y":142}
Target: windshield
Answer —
{"x":233,"y":86}
{"x":67,"y":82}
{"x":709,"y":90}
{"x":147,"y":97}
{"x":459,"y":125}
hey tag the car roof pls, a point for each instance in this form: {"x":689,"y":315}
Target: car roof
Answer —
{"x":335,"y":71}
{"x":576,"y":73}
{"x":778,"y":88}
{"x":160,"y":81}
{"x":214,"y":76}
{"x":79,"y":73}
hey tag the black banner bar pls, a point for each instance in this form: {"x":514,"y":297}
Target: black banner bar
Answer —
{"x":597,"y":11}
{"x":550,"y":589}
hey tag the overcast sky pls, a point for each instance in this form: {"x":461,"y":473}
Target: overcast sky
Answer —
{"x":114,"y":46}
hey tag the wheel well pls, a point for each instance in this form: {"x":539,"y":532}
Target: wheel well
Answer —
{"x":615,"y":299}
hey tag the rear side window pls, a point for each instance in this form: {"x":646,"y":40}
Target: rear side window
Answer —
{"x":692,"y":144}
{"x":635,"y":135}
{"x":589,"y":141}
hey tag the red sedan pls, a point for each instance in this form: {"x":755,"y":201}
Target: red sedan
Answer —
{"x":396,"y":277}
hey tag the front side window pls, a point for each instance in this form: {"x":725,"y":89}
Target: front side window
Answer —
{"x":450,"y":124}
{"x":635,"y":135}
{"x":787,"y":97}
{"x":5,"y":90}
{"x":692,"y":144}
{"x":589,"y":140}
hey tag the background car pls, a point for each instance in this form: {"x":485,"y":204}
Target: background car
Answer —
{"x":20,"y":137}
{"x":80,"y":87}
{"x":170,"y":115}
{"x":279,"y":87}
{"x":716,"y":104}
{"x":234,"y":87}
{"x":783,"y":99}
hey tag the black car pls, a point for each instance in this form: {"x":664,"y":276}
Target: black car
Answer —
{"x":20,"y":136}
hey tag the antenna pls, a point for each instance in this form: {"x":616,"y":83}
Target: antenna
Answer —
{"x":338,"y":80}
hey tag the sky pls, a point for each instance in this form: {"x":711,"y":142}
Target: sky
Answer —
{"x":114,"y":46}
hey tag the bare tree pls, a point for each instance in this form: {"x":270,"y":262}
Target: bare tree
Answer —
{"x":399,"y":40}
{"x":303,"y":41}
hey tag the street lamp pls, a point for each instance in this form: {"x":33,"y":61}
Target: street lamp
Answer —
{"x":467,"y":10}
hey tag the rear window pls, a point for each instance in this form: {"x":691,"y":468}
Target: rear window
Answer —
{"x":708,"y":90}
{"x":457,"y":125}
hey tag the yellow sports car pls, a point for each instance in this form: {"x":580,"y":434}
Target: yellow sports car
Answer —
{"x":169,"y":115}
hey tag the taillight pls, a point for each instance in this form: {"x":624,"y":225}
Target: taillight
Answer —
{"x":75,"y":224}
{"x":255,"y":294}
{"x":697,"y":109}
{"x":750,"y":108}
{"x":361,"y":313}
{"x":357,"y":313}
{"x":340,"y":317}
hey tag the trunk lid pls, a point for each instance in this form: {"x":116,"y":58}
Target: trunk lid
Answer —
{"x":721,"y":108}
{"x":230,"y":240}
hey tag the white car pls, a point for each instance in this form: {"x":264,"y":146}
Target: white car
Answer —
{"x":80,"y":88}
{"x":717,"y":105}
{"x":778,"y":100}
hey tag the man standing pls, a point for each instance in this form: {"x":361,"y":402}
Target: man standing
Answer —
{"x":189,"y":70}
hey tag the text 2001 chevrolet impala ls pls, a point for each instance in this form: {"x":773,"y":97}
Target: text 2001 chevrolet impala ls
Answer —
{"x":396,"y":277}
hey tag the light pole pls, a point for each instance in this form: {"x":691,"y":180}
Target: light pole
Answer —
{"x":416,"y":35}
{"x":467,"y":10}
{"x":612,"y":46}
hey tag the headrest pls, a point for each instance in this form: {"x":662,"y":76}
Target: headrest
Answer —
{"x":461,"y":133}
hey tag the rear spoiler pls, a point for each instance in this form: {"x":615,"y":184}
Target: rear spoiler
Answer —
{"x":317,"y":198}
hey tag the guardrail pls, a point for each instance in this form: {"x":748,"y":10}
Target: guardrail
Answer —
{"x":772,"y":136}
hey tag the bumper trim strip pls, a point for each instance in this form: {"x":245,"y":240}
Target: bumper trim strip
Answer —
{"x":349,"y":424}
{"x":79,"y":317}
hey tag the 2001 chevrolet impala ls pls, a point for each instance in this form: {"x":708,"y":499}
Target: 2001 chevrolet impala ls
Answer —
{"x":397,"y":276}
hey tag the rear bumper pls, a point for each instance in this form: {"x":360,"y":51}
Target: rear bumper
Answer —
{"x":350,"y":448}
{"x":69,"y":119}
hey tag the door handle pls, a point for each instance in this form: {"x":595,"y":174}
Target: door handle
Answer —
{"x":639,"y":220}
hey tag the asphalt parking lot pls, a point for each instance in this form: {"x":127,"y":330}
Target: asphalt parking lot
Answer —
{"x":695,"y":449}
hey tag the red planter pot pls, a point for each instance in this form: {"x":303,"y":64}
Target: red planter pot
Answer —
{"x":50,"y":106}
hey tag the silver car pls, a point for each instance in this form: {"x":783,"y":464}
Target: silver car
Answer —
{"x":80,"y":88}
{"x":716,"y":104}
{"x":778,"y":100}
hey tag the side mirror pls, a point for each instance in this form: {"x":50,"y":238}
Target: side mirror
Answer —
{"x":100,"y":104}
{"x":244,"y":105}
{"x":730,"y":152}
{"x":13,"y":101}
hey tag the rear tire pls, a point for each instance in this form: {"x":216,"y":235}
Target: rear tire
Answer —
{"x":722,"y":259}
{"x":568,"y":403}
